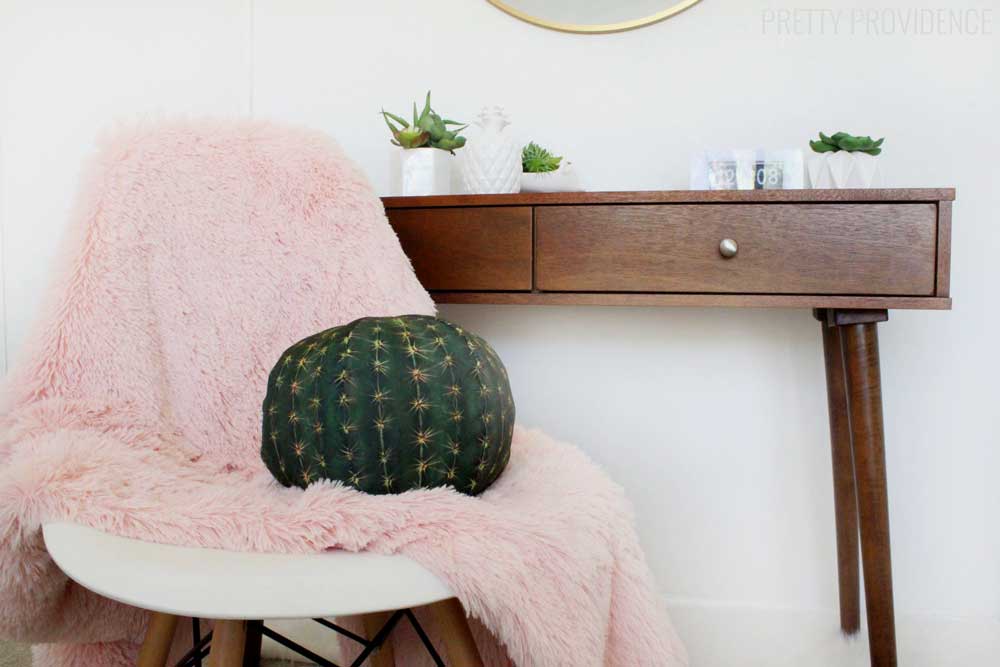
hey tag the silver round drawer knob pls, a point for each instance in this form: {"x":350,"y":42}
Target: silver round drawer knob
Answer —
{"x":728,"y":248}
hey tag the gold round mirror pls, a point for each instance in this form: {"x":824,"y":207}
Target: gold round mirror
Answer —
{"x":592,"y":16}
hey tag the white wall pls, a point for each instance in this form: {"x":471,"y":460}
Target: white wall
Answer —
{"x":713,"y":420}
{"x":71,"y":71}
{"x":3,"y":305}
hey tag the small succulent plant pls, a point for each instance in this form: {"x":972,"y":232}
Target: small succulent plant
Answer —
{"x":427,"y":129}
{"x":535,"y":159}
{"x":842,"y":141}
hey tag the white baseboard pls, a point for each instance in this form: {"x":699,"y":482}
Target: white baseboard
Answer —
{"x":727,"y":635}
{"x":719,"y":635}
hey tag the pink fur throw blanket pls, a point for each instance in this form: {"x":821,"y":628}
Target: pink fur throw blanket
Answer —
{"x":198,"y":252}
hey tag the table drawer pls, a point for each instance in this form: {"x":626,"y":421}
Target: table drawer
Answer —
{"x":879,"y":249}
{"x":470,"y":249}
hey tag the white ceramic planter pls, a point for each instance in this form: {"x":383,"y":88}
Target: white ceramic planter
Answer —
{"x":844,"y":170}
{"x":563,"y":179}
{"x":418,"y":172}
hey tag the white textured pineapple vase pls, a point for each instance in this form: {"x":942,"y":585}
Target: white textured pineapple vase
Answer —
{"x":491,"y":160}
{"x":845,"y":161}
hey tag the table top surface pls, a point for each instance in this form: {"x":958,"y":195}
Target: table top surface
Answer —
{"x":677,"y":197}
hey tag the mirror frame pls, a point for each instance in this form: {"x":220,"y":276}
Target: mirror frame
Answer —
{"x":597,"y":28}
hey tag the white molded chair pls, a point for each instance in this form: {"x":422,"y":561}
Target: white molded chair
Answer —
{"x":237,"y":590}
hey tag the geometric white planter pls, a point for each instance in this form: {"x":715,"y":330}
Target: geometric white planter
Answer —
{"x":419,"y":172}
{"x":844,"y":170}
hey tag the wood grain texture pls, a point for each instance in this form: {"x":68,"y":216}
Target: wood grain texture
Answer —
{"x":864,"y":391}
{"x":944,"y":250}
{"x":462,"y":254}
{"x":453,"y":626}
{"x":159,"y":637}
{"x":690,"y":300}
{"x":228,"y":644}
{"x":886,"y":249}
{"x":384,"y":655}
{"x":845,"y":499}
{"x":468,"y":248}
{"x":675,"y":197}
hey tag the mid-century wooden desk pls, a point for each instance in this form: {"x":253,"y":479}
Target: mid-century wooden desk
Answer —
{"x":850,"y":255}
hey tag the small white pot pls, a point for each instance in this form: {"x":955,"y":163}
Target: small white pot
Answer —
{"x":844,"y":170}
{"x":563,"y":179}
{"x":419,"y":172}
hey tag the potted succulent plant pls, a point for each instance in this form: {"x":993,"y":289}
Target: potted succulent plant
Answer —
{"x":845,"y":161}
{"x":424,"y":150}
{"x":544,"y":172}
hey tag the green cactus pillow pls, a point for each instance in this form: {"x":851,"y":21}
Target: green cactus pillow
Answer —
{"x":387,"y":404}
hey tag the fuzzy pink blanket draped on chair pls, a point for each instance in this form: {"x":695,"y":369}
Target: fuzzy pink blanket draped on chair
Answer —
{"x":199,"y":251}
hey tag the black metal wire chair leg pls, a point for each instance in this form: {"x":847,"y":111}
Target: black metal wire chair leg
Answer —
{"x":251,"y":646}
{"x":378,"y":639}
{"x":256,"y":630}
{"x":196,"y":636}
{"x":425,"y":639}
{"x":199,"y":650}
{"x":298,"y":648}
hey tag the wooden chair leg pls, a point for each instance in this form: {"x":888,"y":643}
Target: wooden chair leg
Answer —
{"x":384,"y":656}
{"x":864,"y":389}
{"x":845,"y":499}
{"x":454,"y":628}
{"x":228,"y":643}
{"x":159,"y":637}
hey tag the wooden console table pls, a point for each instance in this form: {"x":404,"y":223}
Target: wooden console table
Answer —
{"x":850,"y":255}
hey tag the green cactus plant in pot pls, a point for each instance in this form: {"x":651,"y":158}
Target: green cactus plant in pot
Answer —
{"x":843,"y":160}
{"x":424,"y":148}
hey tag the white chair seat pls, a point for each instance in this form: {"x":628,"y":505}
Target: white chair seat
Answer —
{"x":216,"y":584}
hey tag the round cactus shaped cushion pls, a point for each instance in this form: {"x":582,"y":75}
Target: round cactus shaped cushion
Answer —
{"x":388,"y":404}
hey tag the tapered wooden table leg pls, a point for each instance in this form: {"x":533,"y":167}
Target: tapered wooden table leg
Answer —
{"x":228,"y":643}
{"x":864,"y":390}
{"x":159,"y":637}
{"x":383,"y":655}
{"x":454,"y":628}
{"x":845,"y":500}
